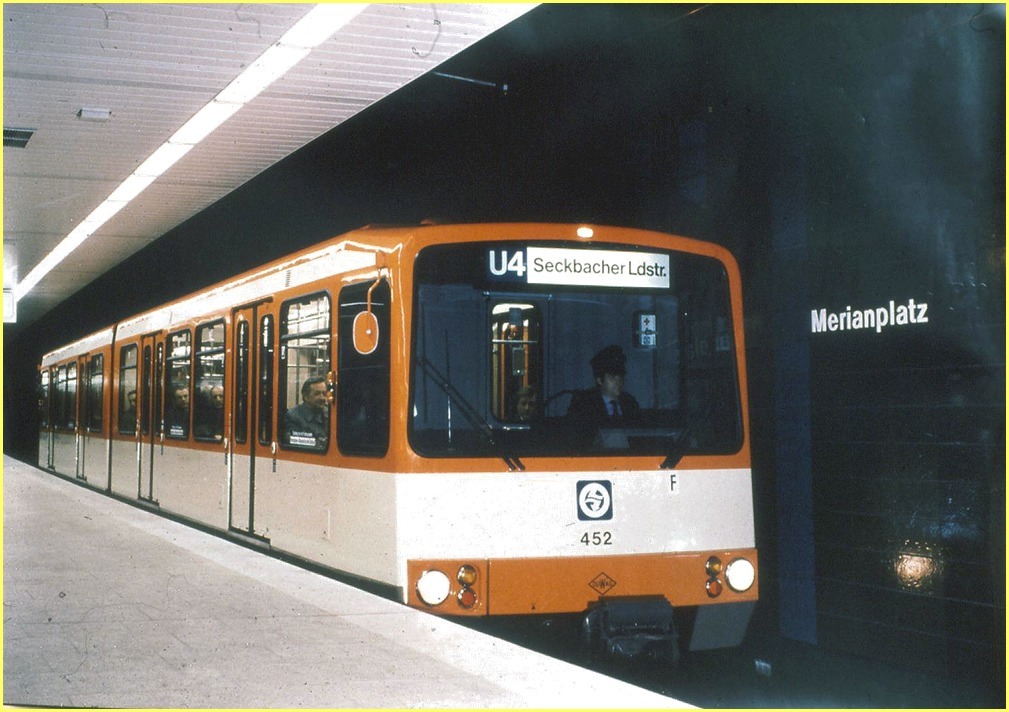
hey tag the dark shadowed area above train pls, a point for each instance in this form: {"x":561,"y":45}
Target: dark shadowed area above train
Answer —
{"x":850,"y":157}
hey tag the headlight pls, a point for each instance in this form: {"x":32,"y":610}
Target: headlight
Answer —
{"x":433,"y":587}
{"x":466,"y":575}
{"x":740,"y":575}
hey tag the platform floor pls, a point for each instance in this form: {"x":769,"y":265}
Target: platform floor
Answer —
{"x":107,"y":605}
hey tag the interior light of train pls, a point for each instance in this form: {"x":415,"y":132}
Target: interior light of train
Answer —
{"x":433,"y":587}
{"x":740,"y":575}
{"x":466,"y":575}
{"x":585,"y":232}
{"x":713,"y":566}
{"x":317,"y":25}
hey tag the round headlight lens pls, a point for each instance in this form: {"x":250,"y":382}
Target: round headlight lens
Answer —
{"x":466,"y":575}
{"x":467,"y":598}
{"x":433,"y":587}
{"x":713,"y":566}
{"x":740,"y":575}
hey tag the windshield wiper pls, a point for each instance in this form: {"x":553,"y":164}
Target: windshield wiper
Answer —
{"x":676,"y":451}
{"x":470,"y":413}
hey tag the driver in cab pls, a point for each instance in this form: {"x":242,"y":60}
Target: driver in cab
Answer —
{"x":607,"y":405}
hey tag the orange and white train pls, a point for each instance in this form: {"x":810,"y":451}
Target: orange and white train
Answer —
{"x":393,"y":405}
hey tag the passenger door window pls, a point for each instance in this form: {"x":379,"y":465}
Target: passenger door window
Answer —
{"x":128,"y":390}
{"x":305,"y":367}
{"x":362,"y":404}
{"x":208,"y":405}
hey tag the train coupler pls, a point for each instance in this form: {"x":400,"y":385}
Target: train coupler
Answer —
{"x":637,"y":627}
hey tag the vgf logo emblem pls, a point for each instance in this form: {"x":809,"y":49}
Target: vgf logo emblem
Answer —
{"x":595,"y":500}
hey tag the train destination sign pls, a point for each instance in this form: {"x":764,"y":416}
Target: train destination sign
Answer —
{"x":583,"y":268}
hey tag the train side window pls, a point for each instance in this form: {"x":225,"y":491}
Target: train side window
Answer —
{"x":241,"y":414}
{"x":178,"y":384}
{"x":95,"y":389}
{"x":70,"y":403}
{"x":266,"y":380}
{"x":208,"y":401}
{"x":60,"y":416}
{"x":128,"y":390}
{"x":44,"y":397}
{"x":362,"y":405}
{"x":516,"y":362}
{"x":146,"y":393}
{"x":305,"y":365}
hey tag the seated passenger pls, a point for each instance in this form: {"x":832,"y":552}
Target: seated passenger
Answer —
{"x":606,"y":405}
{"x":209,"y":414}
{"x":525,"y":405}
{"x":177,"y":413}
{"x":307,"y":424}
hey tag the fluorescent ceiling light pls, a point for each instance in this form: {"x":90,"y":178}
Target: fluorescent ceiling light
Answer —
{"x":204,"y":122}
{"x":167,"y":155}
{"x":103,"y":213}
{"x":131,"y":188}
{"x":317,"y":25}
{"x":271,"y":66}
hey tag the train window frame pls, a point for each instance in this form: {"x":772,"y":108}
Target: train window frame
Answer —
{"x":364,"y":397}
{"x":207,"y":423}
{"x":240,"y":401}
{"x":145,"y":401}
{"x":67,"y":397}
{"x":179,"y":352}
{"x":129,"y":356}
{"x":265,"y":405}
{"x":303,"y":373}
{"x":95,"y":395}
{"x":45,"y":379}
{"x":526,"y":332}
{"x":71,"y":413}
{"x":696,"y":408}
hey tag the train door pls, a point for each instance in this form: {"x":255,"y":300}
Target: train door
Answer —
{"x":80,"y":423}
{"x":150,"y":428}
{"x":47,"y":444}
{"x":246,"y":408}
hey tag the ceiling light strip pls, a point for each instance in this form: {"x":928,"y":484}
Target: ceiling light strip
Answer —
{"x":318,"y":25}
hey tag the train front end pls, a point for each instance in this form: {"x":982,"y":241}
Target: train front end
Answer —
{"x":578,"y":420}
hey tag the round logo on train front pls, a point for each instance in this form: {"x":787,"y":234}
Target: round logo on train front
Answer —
{"x":595,"y":500}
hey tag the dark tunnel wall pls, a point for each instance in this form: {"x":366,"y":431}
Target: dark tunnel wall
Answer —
{"x":849,"y":156}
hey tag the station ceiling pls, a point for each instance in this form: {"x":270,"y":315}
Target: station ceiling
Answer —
{"x":93,"y":90}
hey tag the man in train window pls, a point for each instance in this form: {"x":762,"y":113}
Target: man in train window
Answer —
{"x":307,"y":424}
{"x":208,"y":420}
{"x":607,"y":405}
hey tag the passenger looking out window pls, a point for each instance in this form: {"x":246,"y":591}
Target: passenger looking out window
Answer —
{"x":305,"y":363}
{"x":307,"y":423}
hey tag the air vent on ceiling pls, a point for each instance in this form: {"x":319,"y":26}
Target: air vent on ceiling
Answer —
{"x":17,"y":138}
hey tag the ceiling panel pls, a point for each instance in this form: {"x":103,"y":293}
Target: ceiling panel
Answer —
{"x":154,"y":66}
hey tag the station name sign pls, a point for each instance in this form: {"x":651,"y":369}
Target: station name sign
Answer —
{"x":894,"y":314}
{"x":580,"y":268}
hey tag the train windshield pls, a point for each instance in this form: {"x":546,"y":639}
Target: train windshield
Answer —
{"x":543,"y":349}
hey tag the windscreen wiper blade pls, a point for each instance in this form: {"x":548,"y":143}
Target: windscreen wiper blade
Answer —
{"x":676,"y":451}
{"x":469,"y":412}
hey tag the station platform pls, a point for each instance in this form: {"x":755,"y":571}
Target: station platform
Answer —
{"x":108,"y":605}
